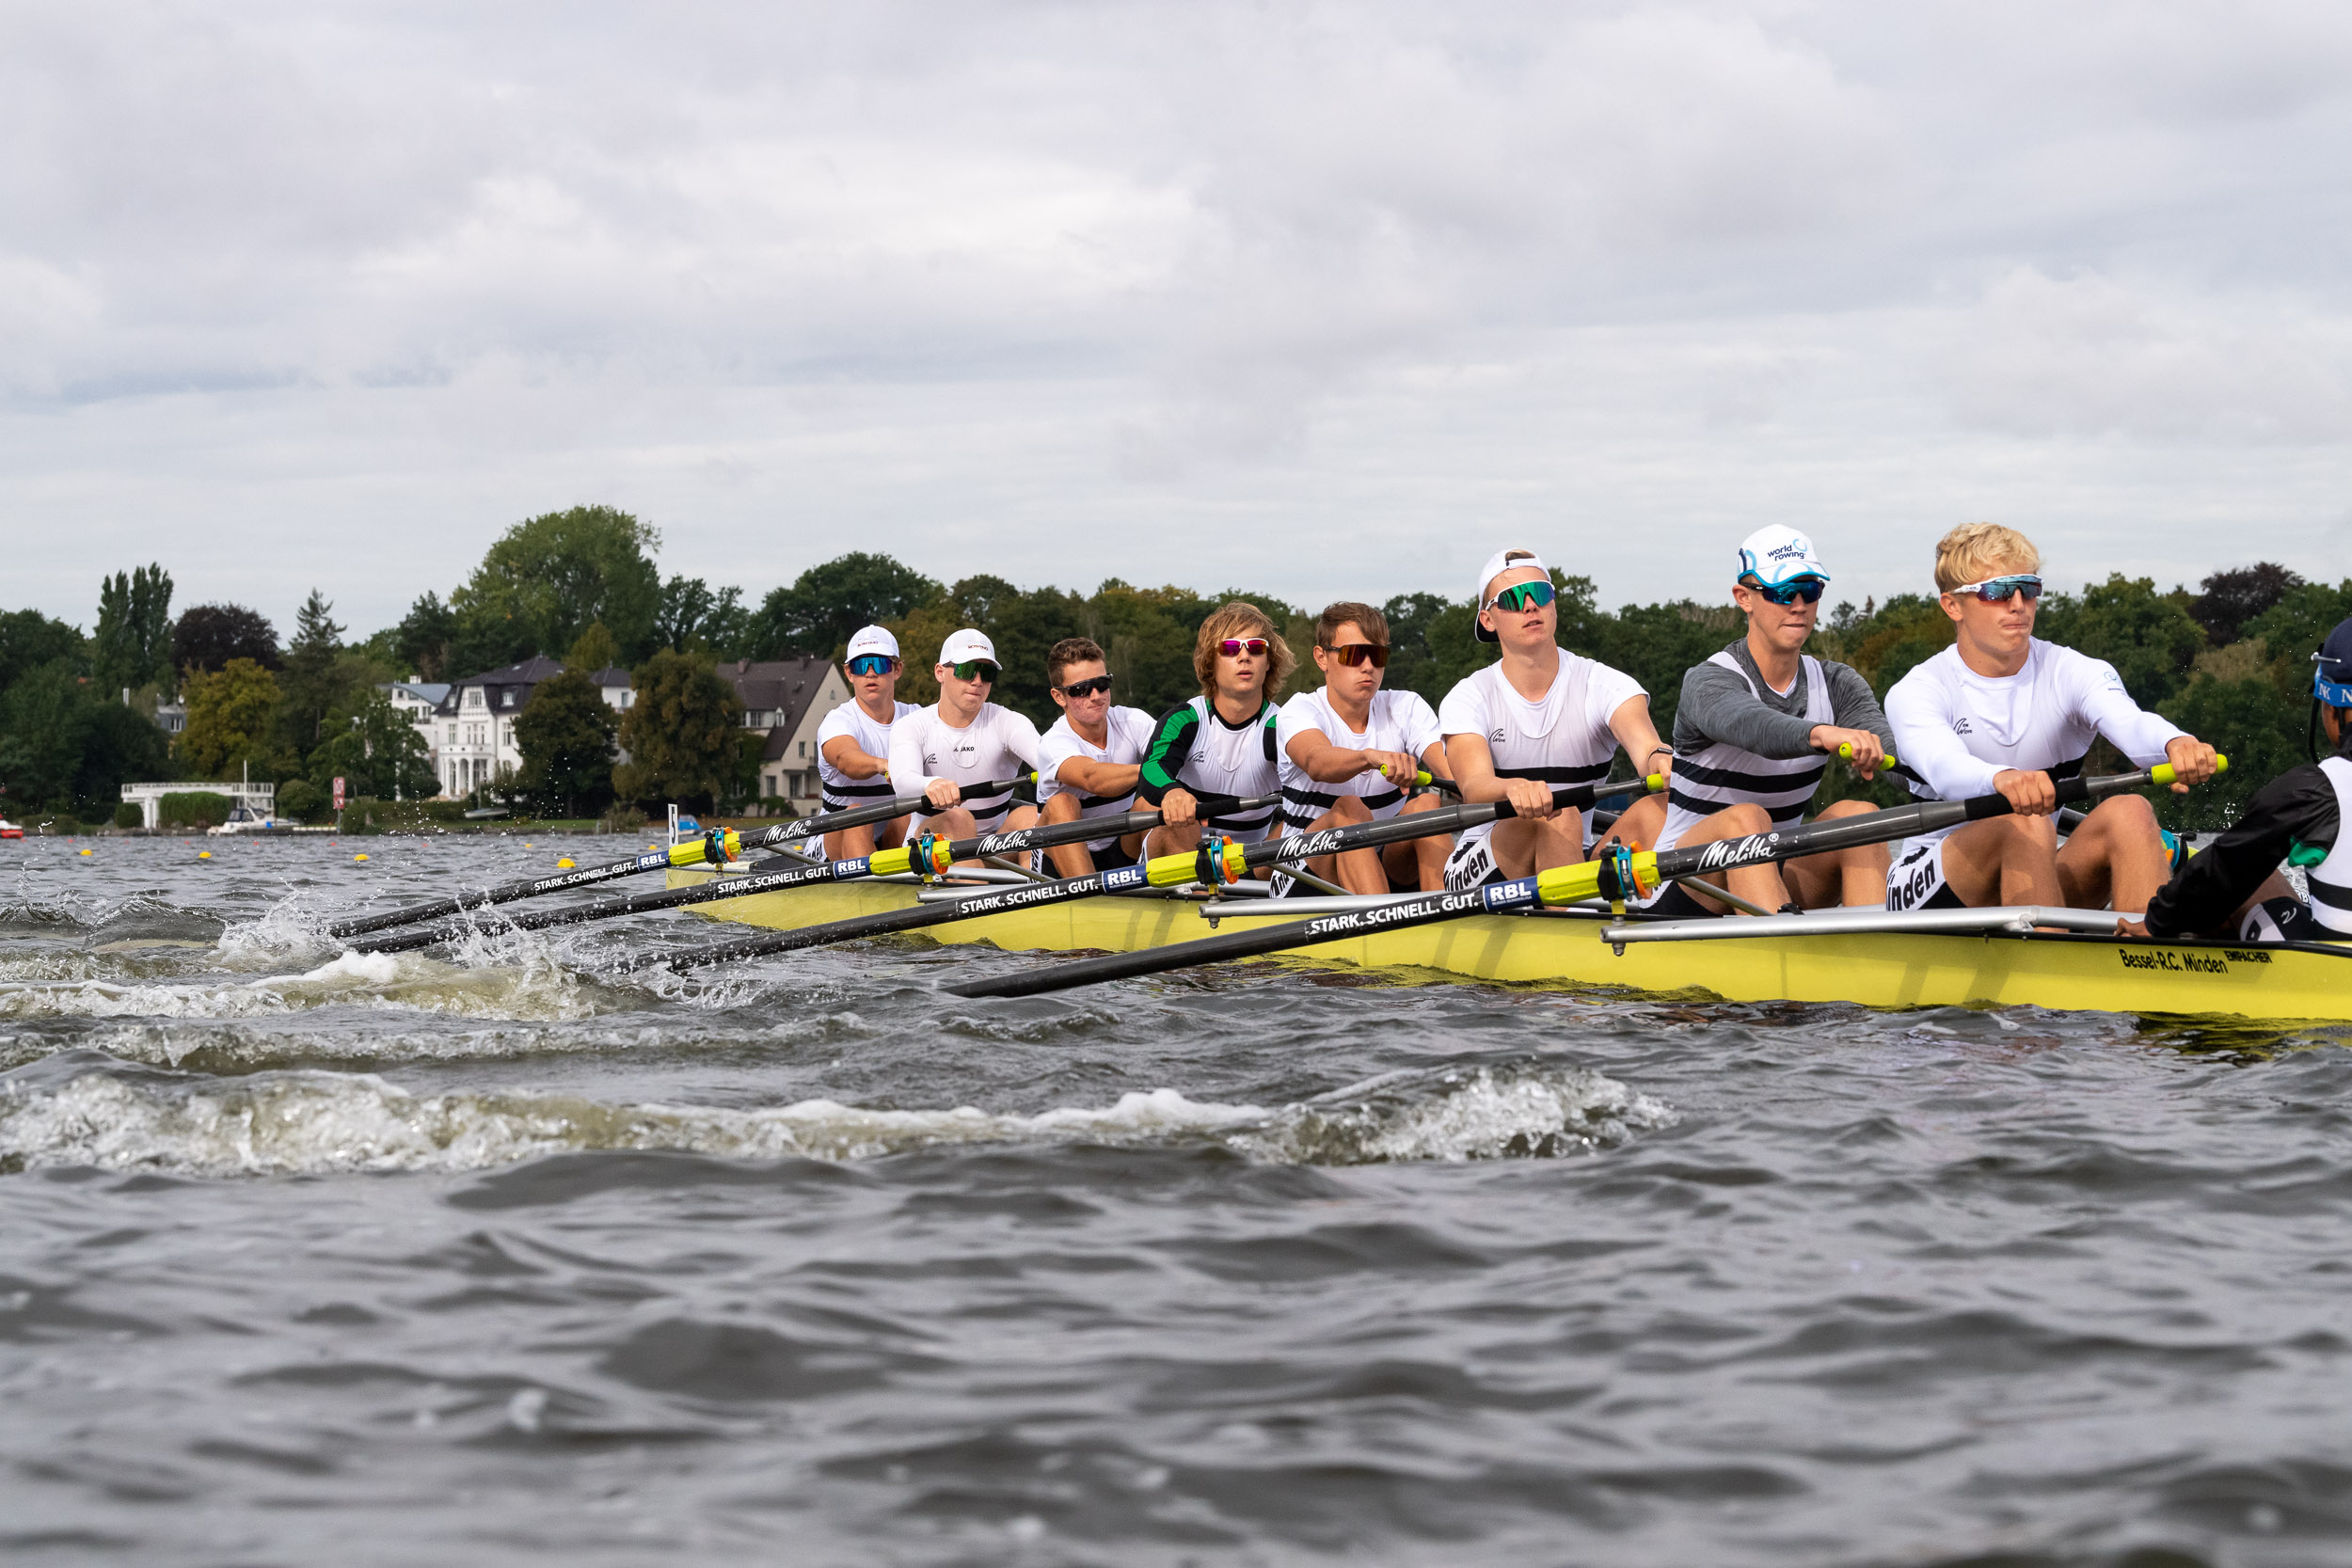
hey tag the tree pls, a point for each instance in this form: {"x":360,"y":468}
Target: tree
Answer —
{"x":828,"y":602}
{"x":44,"y":719}
{"x":2227,"y":600}
{"x":423,"y":640}
{"x":375,"y":749}
{"x":119,"y":746}
{"x":2149,"y":636}
{"x":594,"y":651}
{"x":29,"y":640}
{"x":545,"y":579}
{"x":565,"y":734}
{"x":232,"y":714}
{"x":680,"y":733}
{"x":691,"y":616}
{"x":133,"y":646}
{"x":309,"y":688}
{"x":210,"y":634}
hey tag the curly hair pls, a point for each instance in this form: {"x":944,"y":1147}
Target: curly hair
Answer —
{"x":1240,"y":618}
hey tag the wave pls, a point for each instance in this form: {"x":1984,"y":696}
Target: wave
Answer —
{"x":403,"y":982}
{"x":318,"y":1122}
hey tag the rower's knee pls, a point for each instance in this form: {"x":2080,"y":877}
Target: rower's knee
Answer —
{"x":1059,"y":808}
{"x":1349,"y":811}
{"x":1838,"y":808}
{"x":2123,"y":814}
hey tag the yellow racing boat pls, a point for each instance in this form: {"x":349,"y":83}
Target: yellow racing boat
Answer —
{"x":1943,"y":958}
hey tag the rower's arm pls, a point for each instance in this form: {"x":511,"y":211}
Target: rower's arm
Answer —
{"x":842,"y":754}
{"x":1471,"y":762}
{"x":1312,"y":753}
{"x":906,"y":761}
{"x":1924,"y":740}
{"x":2099,"y":696}
{"x":2292,"y":817}
{"x":1103,"y":779}
{"x":1717,"y":705}
{"x":1632,"y":725}
{"x":1163,"y":764}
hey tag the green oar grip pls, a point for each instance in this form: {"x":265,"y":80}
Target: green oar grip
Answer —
{"x":1845,"y":750}
{"x":694,"y":851}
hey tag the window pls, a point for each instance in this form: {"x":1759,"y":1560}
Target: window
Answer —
{"x":506,"y":698}
{"x":801,"y":749}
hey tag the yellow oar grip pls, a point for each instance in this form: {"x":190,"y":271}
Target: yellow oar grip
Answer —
{"x":1170,"y":870}
{"x":694,"y":851}
{"x":1655,"y":783}
{"x":891,"y":863}
{"x":2164,"y":773}
{"x":1845,"y":750}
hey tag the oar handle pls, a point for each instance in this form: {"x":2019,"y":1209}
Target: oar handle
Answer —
{"x":1845,"y":750}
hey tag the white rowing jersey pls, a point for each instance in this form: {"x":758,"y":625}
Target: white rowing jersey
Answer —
{"x":1721,"y":774}
{"x":872,"y":737}
{"x":1956,"y":730}
{"x":1564,"y":738}
{"x":983,"y":760}
{"x":2331,"y":880}
{"x":1126,"y":733}
{"x":1396,"y":721}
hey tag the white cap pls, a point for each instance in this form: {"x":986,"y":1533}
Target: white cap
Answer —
{"x":968,"y":643}
{"x":873,"y":639}
{"x":1778,"y":553}
{"x":1494,"y":568}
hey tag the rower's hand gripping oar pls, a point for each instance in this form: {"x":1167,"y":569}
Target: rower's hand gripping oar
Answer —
{"x":1620,"y":874}
{"x":1219,"y":861}
{"x":927,"y":856}
{"x":716,"y":847}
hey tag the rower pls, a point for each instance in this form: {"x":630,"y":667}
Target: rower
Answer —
{"x":1754,"y":730}
{"x":1539,"y":718}
{"x":964,"y":753}
{"x":2001,"y":710}
{"x":2231,"y":887}
{"x":1212,"y":752}
{"x":1088,"y":763}
{"x":853,"y":744}
{"x":1348,"y":753}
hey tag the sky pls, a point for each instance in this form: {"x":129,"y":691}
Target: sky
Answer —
{"x":1329,"y":301}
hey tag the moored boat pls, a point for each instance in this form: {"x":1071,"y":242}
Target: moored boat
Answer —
{"x":10,"y":830}
{"x":1950,"y":957}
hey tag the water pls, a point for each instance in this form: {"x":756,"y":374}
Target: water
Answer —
{"x":306,"y":1259}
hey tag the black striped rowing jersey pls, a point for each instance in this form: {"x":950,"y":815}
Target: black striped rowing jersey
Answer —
{"x":1395,"y":721}
{"x":843,"y":792}
{"x":1127,"y":734}
{"x":1218,"y":763}
{"x":1563,"y":739}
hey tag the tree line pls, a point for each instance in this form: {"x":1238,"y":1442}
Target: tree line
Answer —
{"x":2228,"y":661}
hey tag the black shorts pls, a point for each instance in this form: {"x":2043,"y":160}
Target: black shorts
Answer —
{"x":1112,"y":857}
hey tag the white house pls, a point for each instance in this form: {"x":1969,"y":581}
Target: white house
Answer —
{"x":788,"y":698}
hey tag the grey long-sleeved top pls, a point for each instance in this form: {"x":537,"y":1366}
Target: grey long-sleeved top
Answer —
{"x":1717,"y":705}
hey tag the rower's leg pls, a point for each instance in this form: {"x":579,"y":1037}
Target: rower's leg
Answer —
{"x":1357,"y":870}
{"x":1070,"y":860}
{"x":1849,"y":876}
{"x":850,"y":842}
{"x":2115,"y":858}
{"x":1522,"y":846}
{"x":1419,"y":860}
{"x":1757,"y":884}
{"x":1172,"y":839}
{"x":890,"y":834}
{"x":2004,"y":859}
{"x":1639,"y":825}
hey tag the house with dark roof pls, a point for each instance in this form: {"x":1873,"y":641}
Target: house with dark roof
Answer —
{"x":786,"y":699}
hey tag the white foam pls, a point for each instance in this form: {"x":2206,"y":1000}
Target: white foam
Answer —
{"x":291,"y":1123}
{"x":378,"y":981}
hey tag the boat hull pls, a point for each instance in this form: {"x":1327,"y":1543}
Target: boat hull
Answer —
{"x":1875,"y":970}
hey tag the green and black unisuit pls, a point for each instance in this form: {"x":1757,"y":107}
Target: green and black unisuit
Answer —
{"x":1220,"y":763}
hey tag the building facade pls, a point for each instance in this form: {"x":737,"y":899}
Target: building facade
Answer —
{"x":787,"y":700}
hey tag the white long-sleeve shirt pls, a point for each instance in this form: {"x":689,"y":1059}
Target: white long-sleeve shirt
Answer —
{"x":997,"y":747}
{"x":1956,"y":730}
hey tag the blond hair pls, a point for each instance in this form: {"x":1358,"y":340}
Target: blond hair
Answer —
{"x":1240,"y":618}
{"x":1976,"y":551}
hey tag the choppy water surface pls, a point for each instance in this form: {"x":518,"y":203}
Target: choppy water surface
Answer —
{"x":307,"y":1258}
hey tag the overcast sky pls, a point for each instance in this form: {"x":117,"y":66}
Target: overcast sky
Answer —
{"x":1326,"y":300}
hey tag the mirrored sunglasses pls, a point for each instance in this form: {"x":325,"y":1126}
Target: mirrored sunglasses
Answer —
{"x":1233,"y":647}
{"x":1796,"y":590}
{"x":1997,"y":590}
{"x":1358,"y":652}
{"x":1525,"y":596}
{"x":967,"y":669}
{"x":872,"y":664}
{"x":1086,"y":687}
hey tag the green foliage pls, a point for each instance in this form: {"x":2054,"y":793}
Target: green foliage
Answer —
{"x":119,"y":746}
{"x":1886,"y":643}
{"x":208,"y":636}
{"x":2150,"y":638}
{"x":307,"y":687}
{"x":29,"y":640}
{"x":544,"y":580}
{"x":681,"y":733}
{"x":565,"y":734}
{"x":44,"y":719}
{"x":594,"y":651}
{"x":2260,"y":729}
{"x":304,"y":800}
{"x":193,"y":809}
{"x":816,"y":613}
{"x":133,"y":646}
{"x":375,"y":749}
{"x":128,"y":814}
{"x":232,"y":720}
{"x":2293,"y":628}
{"x":2227,"y":600}
{"x":693,"y":617}
{"x":423,"y":639}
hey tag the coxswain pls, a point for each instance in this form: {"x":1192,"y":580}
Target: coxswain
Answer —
{"x":853,"y":744}
{"x":2003,"y":711}
{"x":1538,"y":719}
{"x":2231,"y":887}
{"x":1088,"y":763}
{"x":1210,"y":753}
{"x":965,"y":754}
{"x":1348,"y":753}
{"x":1754,"y":730}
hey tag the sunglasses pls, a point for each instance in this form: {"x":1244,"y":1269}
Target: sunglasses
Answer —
{"x":971,"y":667}
{"x":1233,"y":647}
{"x":1358,"y":653}
{"x":1526,"y":596}
{"x":1807,"y":589}
{"x":1086,"y":687}
{"x":1997,"y":590}
{"x":872,"y":664}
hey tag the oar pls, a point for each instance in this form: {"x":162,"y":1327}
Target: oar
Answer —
{"x":1616,"y":874}
{"x":933,"y":855}
{"x":1217,"y":861}
{"x":691,"y":852}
